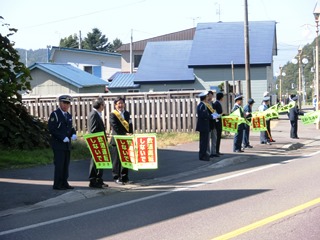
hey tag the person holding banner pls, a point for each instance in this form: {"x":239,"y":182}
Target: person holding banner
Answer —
{"x":237,"y":141}
{"x":269,"y":137}
{"x":217,"y":106}
{"x":246,"y":131}
{"x":62,"y":132}
{"x":203,"y":126}
{"x":264,"y":138}
{"x":121,"y":125}
{"x":95,"y":124}
{"x":212,"y":148}
{"x":294,"y":112}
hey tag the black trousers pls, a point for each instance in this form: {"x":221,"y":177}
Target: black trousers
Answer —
{"x":118,"y":172}
{"x":294,"y":129}
{"x":61,"y":167}
{"x":95,"y":175}
{"x":269,"y":137}
{"x":246,"y":134}
{"x":237,"y":140}
{"x":203,"y":144}
{"x":219,"y":134}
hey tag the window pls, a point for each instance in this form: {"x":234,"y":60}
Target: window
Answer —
{"x":94,"y":70}
{"x":136,"y":60}
{"x":88,"y":69}
{"x":133,"y":90}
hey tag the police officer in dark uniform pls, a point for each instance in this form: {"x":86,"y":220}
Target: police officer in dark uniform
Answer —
{"x":237,"y":141}
{"x":248,"y":115}
{"x":203,"y":126}
{"x":293,"y":117}
{"x":62,"y":132}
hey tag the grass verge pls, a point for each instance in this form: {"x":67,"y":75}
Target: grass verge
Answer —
{"x":11,"y":159}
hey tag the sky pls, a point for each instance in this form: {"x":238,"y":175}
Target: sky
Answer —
{"x":42,"y":23}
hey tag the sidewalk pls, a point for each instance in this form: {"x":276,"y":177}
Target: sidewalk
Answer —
{"x":28,"y":189}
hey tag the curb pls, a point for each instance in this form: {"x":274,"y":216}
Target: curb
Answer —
{"x":77,"y":195}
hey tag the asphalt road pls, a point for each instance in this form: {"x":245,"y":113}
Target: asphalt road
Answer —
{"x":204,"y":205}
{"x":184,"y":199}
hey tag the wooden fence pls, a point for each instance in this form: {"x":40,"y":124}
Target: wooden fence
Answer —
{"x":150,"y":112}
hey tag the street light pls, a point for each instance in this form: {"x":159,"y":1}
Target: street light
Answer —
{"x":300,"y":70}
{"x":281,"y":74}
{"x":304,"y":63}
{"x":316,"y":13}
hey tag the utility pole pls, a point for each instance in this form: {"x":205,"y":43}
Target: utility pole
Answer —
{"x":247,"y":51}
{"x":131,"y":57}
{"x":80,"y":40}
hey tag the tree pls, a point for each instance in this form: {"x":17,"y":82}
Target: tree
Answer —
{"x":17,"y":128}
{"x":117,"y":43}
{"x":290,"y":83}
{"x":96,"y":41}
{"x":70,"y":42}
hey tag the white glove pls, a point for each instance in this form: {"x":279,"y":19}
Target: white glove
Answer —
{"x":66,"y":139}
{"x":74,"y":137}
{"x":215,"y":115}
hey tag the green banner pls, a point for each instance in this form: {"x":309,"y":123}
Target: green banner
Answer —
{"x":287,"y":107}
{"x":229,"y":124}
{"x":258,"y":123}
{"x":137,"y":151}
{"x":310,"y":118}
{"x":99,"y":150}
{"x":270,"y":114}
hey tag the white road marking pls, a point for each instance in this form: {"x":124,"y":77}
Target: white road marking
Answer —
{"x":15,"y":230}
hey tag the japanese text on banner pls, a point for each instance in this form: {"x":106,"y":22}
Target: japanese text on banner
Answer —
{"x":258,"y":123}
{"x":99,"y":149}
{"x":138,"y":151}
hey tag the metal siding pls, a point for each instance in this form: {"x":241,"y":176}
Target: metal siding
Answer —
{"x":165,"y":61}
{"x":123,"y":80}
{"x":225,"y":74}
{"x":220,"y":43}
{"x":187,"y":34}
{"x":45,"y":84}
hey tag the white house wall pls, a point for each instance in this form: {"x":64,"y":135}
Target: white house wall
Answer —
{"x":47,"y":84}
{"x":109,"y":64}
{"x":261,"y":77}
{"x":125,"y":60}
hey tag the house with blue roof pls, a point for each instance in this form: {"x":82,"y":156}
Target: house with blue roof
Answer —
{"x":60,"y":78}
{"x":164,"y":67}
{"x":218,"y":55}
{"x":215,"y":55}
{"x":98,"y":63}
{"x":123,"y":81}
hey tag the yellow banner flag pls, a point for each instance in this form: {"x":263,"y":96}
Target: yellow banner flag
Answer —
{"x":236,"y":115}
{"x":286,"y":108}
{"x":258,"y":123}
{"x":229,"y":124}
{"x":310,"y":118}
{"x":137,"y":151}
{"x":99,"y":149}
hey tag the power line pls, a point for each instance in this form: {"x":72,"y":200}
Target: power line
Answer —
{"x":83,"y":15}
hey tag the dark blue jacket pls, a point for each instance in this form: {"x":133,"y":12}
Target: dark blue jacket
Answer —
{"x":203,"y":118}
{"x":60,"y":128}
